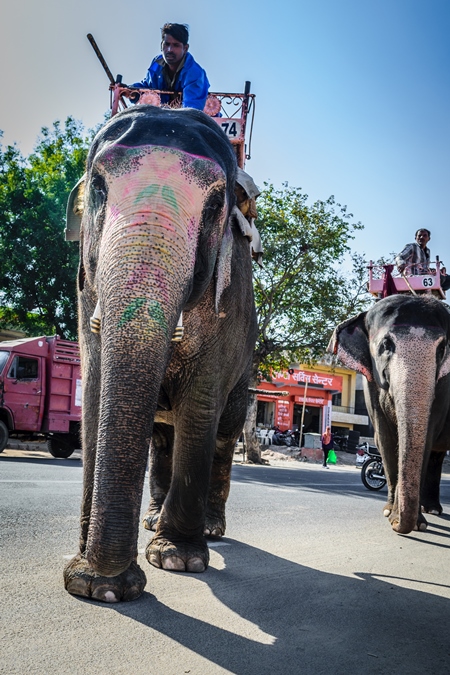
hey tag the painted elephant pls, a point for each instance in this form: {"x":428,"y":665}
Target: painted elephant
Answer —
{"x":156,"y":242}
{"x":401,"y":345}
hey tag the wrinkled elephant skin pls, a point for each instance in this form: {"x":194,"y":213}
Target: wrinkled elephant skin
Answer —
{"x":156,"y":241}
{"x":402,"y":347}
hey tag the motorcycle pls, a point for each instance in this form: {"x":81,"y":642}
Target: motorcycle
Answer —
{"x":288,"y":438}
{"x":372,"y":470}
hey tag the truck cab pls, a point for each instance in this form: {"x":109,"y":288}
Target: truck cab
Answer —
{"x":40,"y":392}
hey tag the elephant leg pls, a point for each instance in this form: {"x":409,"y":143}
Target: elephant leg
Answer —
{"x":160,"y":473}
{"x":179,"y":543}
{"x":230,"y":427}
{"x":430,"y":499}
{"x":79,"y":577}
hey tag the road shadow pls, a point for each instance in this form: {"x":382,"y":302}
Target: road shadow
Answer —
{"x":313,"y":622}
{"x":54,"y":461}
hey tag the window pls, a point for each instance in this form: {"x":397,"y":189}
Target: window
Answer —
{"x":24,"y":369}
{"x":3,"y":359}
{"x":337,"y":399}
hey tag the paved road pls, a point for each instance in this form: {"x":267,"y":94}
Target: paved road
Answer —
{"x":310,"y":579}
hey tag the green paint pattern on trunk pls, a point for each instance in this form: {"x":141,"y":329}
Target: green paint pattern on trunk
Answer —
{"x":131,"y":310}
{"x":169,"y":196}
{"x":156,"y":313}
{"x":147,"y":192}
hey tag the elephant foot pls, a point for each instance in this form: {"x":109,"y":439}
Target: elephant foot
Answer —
{"x":434,"y":508}
{"x":214,"y":525}
{"x":181,"y":557}
{"x":80,"y":579}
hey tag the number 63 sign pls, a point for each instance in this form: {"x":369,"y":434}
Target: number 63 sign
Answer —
{"x":427,"y":282}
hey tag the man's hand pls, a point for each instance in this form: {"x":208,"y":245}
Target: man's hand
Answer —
{"x":134,"y":96}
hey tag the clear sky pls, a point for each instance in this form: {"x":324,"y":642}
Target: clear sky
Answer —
{"x":352,"y":96}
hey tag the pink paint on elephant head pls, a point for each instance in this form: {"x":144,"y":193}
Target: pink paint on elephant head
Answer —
{"x":156,"y":198}
{"x":162,"y":184}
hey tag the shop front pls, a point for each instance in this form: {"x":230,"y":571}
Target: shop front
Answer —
{"x":298,"y":395}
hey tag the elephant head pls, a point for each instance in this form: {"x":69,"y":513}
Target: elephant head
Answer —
{"x":154,"y":238}
{"x":401,"y":345}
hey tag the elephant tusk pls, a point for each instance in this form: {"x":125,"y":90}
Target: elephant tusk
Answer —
{"x":95,"y":323}
{"x":179,"y":330}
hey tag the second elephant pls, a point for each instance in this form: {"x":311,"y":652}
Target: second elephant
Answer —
{"x":402,"y":347}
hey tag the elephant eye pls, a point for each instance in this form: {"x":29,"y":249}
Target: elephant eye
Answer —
{"x":99,"y":188}
{"x":387,"y":346}
{"x":214,"y":206}
{"x":440,"y":352}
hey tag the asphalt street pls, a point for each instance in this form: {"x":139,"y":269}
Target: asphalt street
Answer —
{"x":310,"y":579}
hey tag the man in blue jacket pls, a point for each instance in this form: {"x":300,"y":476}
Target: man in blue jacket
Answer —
{"x":176,"y":70}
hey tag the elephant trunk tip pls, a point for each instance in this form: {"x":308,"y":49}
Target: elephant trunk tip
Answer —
{"x":404,"y":526}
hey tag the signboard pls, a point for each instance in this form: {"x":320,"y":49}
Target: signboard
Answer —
{"x":231,"y":127}
{"x":326,"y":416}
{"x":326,"y":380}
{"x":283,"y":418}
{"x":311,"y":400}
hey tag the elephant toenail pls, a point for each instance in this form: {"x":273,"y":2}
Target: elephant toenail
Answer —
{"x":196,"y":565}
{"x":174,"y":563}
{"x":104,"y":596}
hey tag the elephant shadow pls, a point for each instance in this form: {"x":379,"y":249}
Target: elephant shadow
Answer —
{"x":306,"y":620}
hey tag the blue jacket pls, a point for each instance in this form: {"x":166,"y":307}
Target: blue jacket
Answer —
{"x":191,"y":80}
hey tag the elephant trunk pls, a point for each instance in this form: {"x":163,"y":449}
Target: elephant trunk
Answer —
{"x":413,"y":391}
{"x":141,"y":297}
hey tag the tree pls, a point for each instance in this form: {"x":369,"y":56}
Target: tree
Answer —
{"x":38,"y":270}
{"x":301,"y":292}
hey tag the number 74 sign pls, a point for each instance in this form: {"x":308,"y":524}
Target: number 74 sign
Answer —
{"x":232,"y":128}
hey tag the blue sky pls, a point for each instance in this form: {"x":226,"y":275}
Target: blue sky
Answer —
{"x":352,"y":97}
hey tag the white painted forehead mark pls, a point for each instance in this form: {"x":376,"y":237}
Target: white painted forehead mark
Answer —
{"x":391,"y":331}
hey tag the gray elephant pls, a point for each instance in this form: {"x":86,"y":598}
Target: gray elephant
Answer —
{"x":401,"y":345}
{"x":156,"y":242}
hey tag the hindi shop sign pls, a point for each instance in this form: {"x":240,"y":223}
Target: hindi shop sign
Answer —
{"x":306,"y":376}
{"x":311,"y":400}
{"x":283,"y":414}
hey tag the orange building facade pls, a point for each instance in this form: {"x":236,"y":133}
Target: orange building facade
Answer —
{"x":324,"y":396}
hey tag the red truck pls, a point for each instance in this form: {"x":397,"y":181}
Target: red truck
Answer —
{"x":40,"y":392}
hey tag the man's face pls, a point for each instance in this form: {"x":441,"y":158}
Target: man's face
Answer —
{"x":173,"y":51}
{"x":422,"y":238}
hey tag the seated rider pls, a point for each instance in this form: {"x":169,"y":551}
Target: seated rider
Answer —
{"x":415,"y":258}
{"x":175,"y":70}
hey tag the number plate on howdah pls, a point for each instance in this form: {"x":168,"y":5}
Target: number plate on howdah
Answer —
{"x":232,"y":128}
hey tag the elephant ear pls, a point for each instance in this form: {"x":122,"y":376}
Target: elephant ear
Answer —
{"x":74,"y":213}
{"x":350,"y":343}
{"x":223,"y":266}
{"x":445,"y":365}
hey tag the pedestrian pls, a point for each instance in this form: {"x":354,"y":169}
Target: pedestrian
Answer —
{"x":327,"y":445}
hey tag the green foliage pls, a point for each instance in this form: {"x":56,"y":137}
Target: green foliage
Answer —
{"x":302,"y":292}
{"x":38,"y":270}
